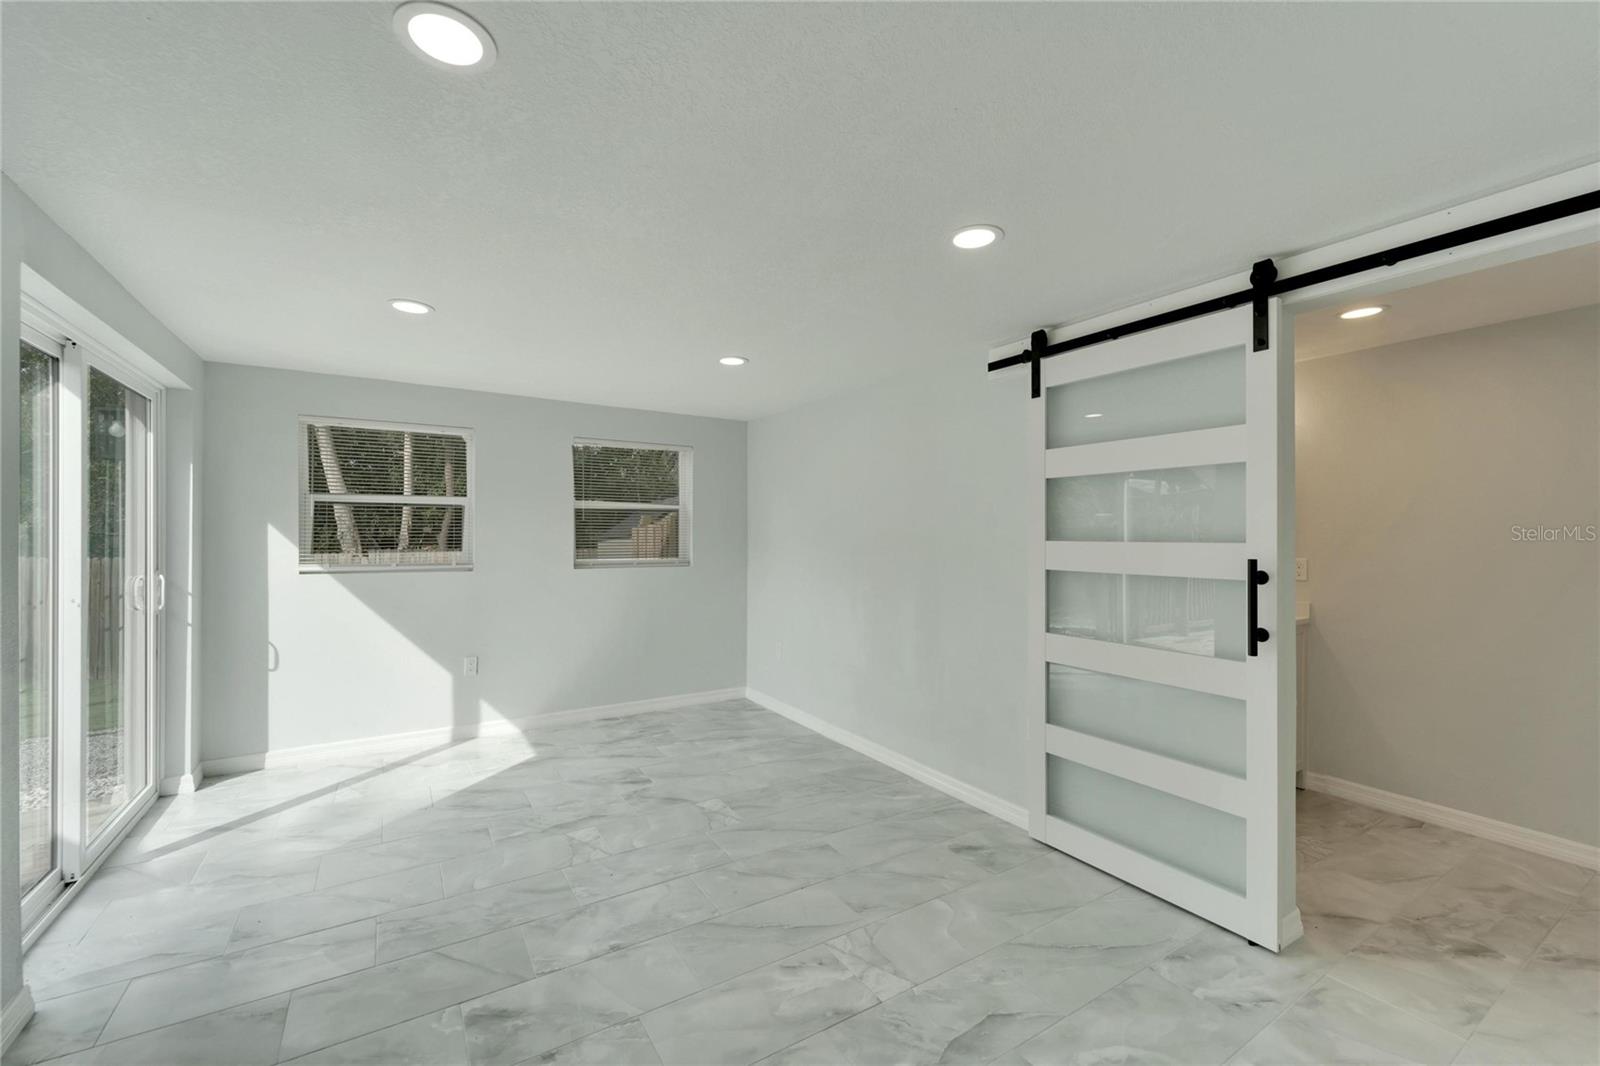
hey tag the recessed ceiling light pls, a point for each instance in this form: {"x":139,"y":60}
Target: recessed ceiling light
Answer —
{"x":733,"y":360}
{"x":1094,"y":414}
{"x":976,"y":237}
{"x":410,"y":307}
{"x":1363,"y":312}
{"x":443,"y":35}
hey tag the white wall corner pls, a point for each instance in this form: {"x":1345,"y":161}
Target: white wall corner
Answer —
{"x":988,"y":802}
{"x":14,"y":1016}
{"x":1546,"y":844}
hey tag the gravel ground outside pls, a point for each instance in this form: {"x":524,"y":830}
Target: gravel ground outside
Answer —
{"x":106,"y":787}
{"x":105,"y":776}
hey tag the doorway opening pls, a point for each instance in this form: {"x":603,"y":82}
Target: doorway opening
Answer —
{"x":1447,"y":494}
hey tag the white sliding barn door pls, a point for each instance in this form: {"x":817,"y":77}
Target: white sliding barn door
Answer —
{"x":1155,"y":726}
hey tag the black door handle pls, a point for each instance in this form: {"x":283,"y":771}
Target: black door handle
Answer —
{"x":1254,"y":634}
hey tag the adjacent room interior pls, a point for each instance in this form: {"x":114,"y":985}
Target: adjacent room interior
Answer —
{"x":1434,"y":423}
{"x":720,"y":533}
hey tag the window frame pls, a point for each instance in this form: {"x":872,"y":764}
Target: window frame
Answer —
{"x":684,"y":507}
{"x":468,"y":554}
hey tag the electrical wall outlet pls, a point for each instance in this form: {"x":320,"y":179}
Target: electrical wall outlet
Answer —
{"x":469,"y":666}
{"x":1302,"y":571}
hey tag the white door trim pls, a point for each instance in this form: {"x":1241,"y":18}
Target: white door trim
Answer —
{"x":1221,"y":561}
{"x":1185,"y":780}
{"x":1200,"y":447}
{"x":14,"y":1016}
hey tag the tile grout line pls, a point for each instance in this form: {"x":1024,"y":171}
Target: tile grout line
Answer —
{"x":658,"y":936}
{"x":867,"y":786}
{"x":440,"y":948}
{"x":160,"y":1028}
{"x":909,"y":815}
{"x":1479,"y":847}
{"x":932,"y":977}
{"x":1148,"y":967}
{"x":98,"y":1033}
{"x":1522,"y":967}
{"x":571,"y":965}
{"x":1329,"y":975}
{"x":870,"y":787}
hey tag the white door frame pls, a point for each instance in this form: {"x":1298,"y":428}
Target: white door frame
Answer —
{"x":1509,"y":247}
{"x":151,"y":595}
{"x":63,"y":746}
{"x":79,"y":348}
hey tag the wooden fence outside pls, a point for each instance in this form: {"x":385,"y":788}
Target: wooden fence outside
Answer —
{"x":103,"y":592}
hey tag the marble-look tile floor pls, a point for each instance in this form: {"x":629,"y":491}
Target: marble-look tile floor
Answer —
{"x":718,"y":885}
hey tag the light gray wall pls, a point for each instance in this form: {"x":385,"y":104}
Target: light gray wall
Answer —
{"x":1450,"y":661}
{"x":29,"y":236}
{"x":888,"y":566}
{"x":302,"y":659}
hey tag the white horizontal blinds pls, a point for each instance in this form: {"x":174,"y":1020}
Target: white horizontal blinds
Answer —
{"x":377,"y":495}
{"x":629,"y":503}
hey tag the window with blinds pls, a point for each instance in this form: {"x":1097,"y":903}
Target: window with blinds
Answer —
{"x":379,"y":495}
{"x":630,"y":503}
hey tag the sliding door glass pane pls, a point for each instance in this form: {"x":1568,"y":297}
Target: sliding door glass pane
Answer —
{"x":36,"y":610}
{"x":1195,"y":616}
{"x":1187,"y":836}
{"x":1200,"y":392}
{"x":116,"y":591}
{"x":1196,"y":727}
{"x":1202,"y":504}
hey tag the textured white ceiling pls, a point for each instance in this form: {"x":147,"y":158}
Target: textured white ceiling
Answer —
{"x":1540,"y":285}
{"x":634,"y":190}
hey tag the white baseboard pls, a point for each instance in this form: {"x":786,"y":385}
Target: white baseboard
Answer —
{"x":1290,"y":929}
{"x":1014,"y":813}
{"x":1547,"y":844}
{"x":235,"y":764}
{"x":181,"y":785}
{"x":14,"y":1016}
{"x":401,"y":745}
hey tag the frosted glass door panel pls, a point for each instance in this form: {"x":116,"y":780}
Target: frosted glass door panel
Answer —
{"x":1153,"y":730}
{"x":1196,"y":727}
{"x":1195,"y":616}
{"x":1198,"y":840}
{"x":1199,"y":392}
{"x":1191,"y":504}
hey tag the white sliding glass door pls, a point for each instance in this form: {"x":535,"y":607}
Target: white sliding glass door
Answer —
{"x":38,"y":730}
{"x":117,"y":601}
{"x":1156,"y":724}
{"x":87,"y":595}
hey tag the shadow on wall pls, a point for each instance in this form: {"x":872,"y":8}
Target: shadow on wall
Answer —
{"x":356,"y":656}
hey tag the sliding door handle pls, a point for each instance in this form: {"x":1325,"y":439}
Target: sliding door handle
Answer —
{"x":1255,"y":577}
